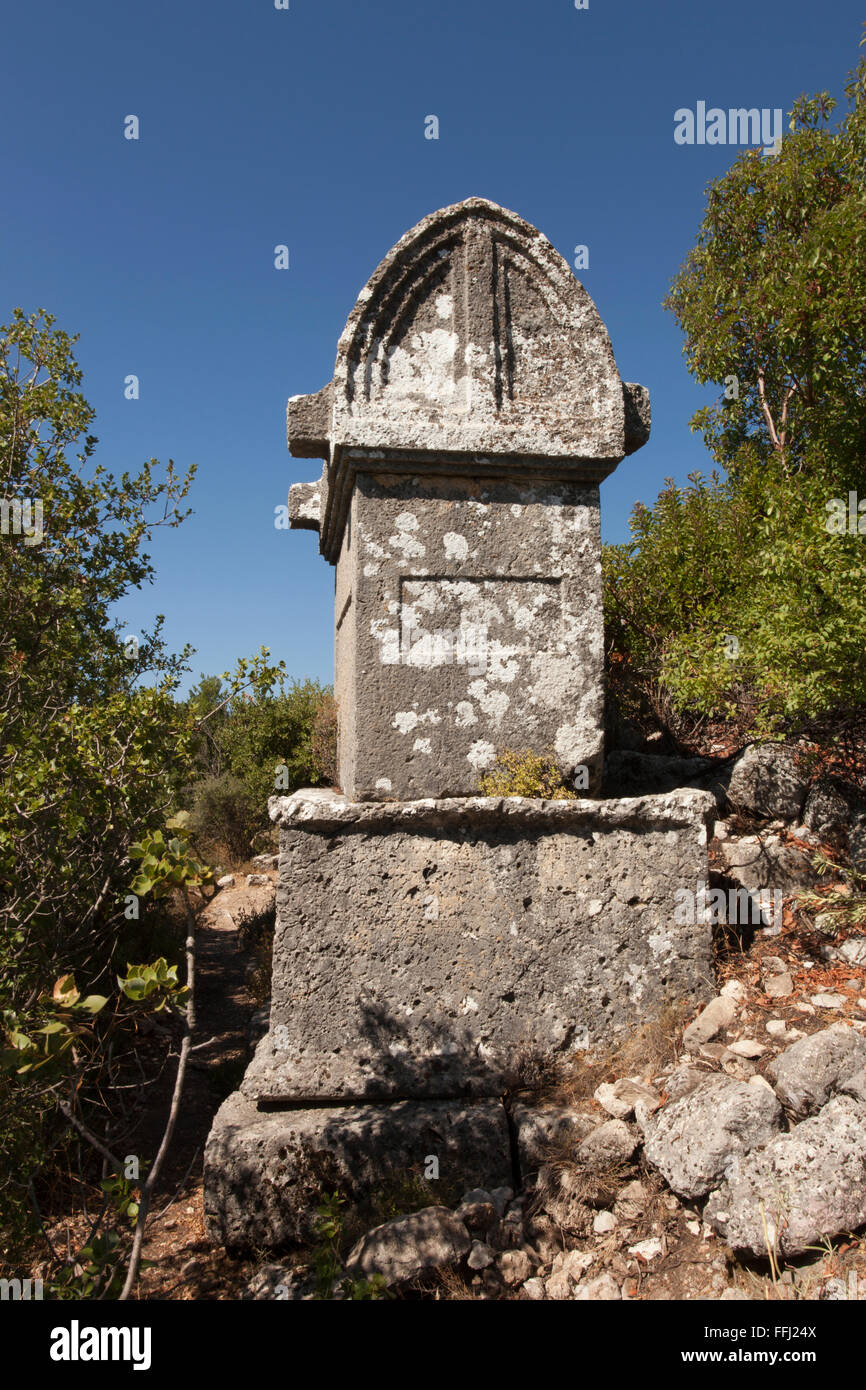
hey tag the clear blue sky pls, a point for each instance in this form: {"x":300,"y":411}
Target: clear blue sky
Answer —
{"x":306,"y":127}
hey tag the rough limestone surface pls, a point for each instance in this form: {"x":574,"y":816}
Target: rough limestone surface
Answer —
{"x":807,"y":1185}
{"x":607,"y":1146}
{"x":768,"y":781}
{"x":421,"y":947}
{"x":693,"y":1141}
{"x":410,"y":1246}
{"x":475,"y":407}
{"x":264,"y":1171}
{"x":809,"y":1071}
{"x":538,"y":1129}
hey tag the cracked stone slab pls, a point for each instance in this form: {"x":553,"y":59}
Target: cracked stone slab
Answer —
{"x":265,"y":1170}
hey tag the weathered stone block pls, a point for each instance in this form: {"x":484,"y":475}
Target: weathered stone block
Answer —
{"x":421,"y":947}
{"x":471,"y":622}
{"x":265,"y":1171}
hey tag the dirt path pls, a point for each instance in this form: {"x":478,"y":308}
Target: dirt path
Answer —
{"x":185,"y":1265}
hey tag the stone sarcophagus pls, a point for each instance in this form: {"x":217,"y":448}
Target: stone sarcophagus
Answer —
{"x":429,"y":938}
{"x":474,"y":410}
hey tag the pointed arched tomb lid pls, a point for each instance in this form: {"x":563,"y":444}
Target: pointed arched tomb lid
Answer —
{"x":472,"y":336}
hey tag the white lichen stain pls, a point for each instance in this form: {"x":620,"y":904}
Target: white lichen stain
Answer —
{"x":383,"y":784}
{"x":404,"y":540}
{"x":481,"y":754}
{"x":456,"y":546}
{"x":422,"y":745}
{"x":464,"y":714}
{"x":408,"y":720}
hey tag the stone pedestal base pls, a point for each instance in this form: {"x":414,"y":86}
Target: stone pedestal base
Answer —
{"x":429,"y":954}
{"x":423,"y":947}
{"x":265,"y":1172}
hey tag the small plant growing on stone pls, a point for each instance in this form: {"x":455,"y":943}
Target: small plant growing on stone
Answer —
{"x":327,"y":1261}
{"x":524,"y":773}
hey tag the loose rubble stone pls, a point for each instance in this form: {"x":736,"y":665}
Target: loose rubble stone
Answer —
{"x":534,"y":1289}
{"x":649,"y":1249}
{"x":604,"y":1289}
{"x":476,"y":1211}
{"x":623,"y":1097}
{"x":855,"y":1085}
{"x":734,"y":989}
{"x":515,"y":1266}
{"x":611,"y":1144}
{"x":604,"y":1222}
{"x":693,"y":1141}
{"x":539,"y":1128}
{"x":480,"y":1256}
{"x":719,"y":1013}
{"x":410,"y":1246}
{"x":227,"y":881}
{"x":763,"y":866}
{"x":807,"y":1072}
{"x":747,"y":1047}
{"x":559,"y":1287}
{"x":254,"y":879}
{"x":574,"y":1263}
{"x":827,"y":810}
{"x":768,"y":781}
{"x":828,"y":1001}
{"x":684,"y":1079}
{"x":854,"y":950}
{"x":561,"y":1192}
{"x":807,"y":1185}
{"x":280,"y":1282}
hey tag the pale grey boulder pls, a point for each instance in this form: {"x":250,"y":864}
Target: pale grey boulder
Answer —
{"x":608,"y":1146}
{"x":693,"y":1141}
{"x":410,"y":1246}
{"x":768,"y":781}
{"x":799,"y":1189}
{"x":807,"y":1073}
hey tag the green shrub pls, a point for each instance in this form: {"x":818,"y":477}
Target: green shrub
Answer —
{"x":735,"y":600}
{"x":223,"y":816}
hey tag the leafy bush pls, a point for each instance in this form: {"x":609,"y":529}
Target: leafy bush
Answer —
{"x":224,"y":815}
{"x":734,"y":600}
{"x":274,"y":736}
{"x":735,"y":597}
{"x":93,"y":744}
